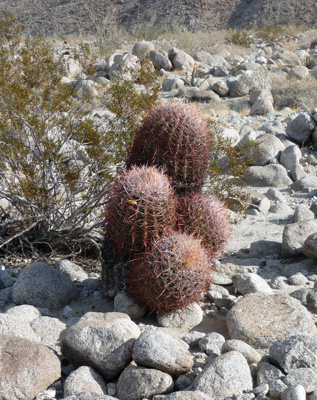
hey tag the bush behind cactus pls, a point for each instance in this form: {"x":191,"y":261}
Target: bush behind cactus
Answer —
{"x":172,"y":275}
{"x":176,"y":136}
{"x":207,"y":219}
{"x":140,"y":208}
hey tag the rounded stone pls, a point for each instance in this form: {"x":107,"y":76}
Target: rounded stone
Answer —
{"x":187,"y":318}
{"x":260,"y":320}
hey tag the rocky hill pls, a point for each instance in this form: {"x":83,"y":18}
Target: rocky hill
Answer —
{"x":86,"y":16}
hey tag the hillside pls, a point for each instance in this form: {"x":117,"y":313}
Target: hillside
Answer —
{"x":85,"y":16}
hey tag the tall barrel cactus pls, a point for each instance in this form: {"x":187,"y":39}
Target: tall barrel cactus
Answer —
{"x":141,"y":207}
{"x":176,"y":136}
{"x":172,"y":275}
{"x":206,"y":218}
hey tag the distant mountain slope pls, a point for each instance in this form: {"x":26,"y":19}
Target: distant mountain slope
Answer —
{"x":83,"y":16}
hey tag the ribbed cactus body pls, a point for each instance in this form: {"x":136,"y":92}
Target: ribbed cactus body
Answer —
{"x":141,"y":207}
{"x":172,"y":275}
{"x":176,"y":136}
{"x":207,"y":219}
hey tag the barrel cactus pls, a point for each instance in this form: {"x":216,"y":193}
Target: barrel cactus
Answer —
{"x":205,"y":218}
{"x":172,"y":275}
{"x":176,"y":136}
{"x":141,"y":207}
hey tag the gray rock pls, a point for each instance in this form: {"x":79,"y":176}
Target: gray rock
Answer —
{"x":294,"y":393}
{"x":301,"y":295}
{"x":187,"y":318}
{"x":182,"y":60}
{"x":268,"y":147}
{"x":89,"y":396}
{"x":265,"y":248}
{"x":269,"y":175}
{"x":311,"y":299}
{"x":211,"y":343}
{"x":142,"y":48}
{"x":298,"y":72}
{"x":205,"y":96}
{"x":27,"y":368}
{"x":251,"y":283}
{"x":84,"y":379}
{"x":267,"y":373}
{"x":125,"y":303}
{"x":16,"y":326}
{"x":298,"y":279}
{"x":101,"y":341}
{"x":43,"y":286}
{"x":279,"y":283}
{"x":172,"y":83}
{"x":160,"y":350}
{"x":249,"y":353}
{"x":6,"y":280}
{"x":192,"y":338}
{"x":305,"y":184}
{"x":138,"y":383}
{"x":49,"y":330}
{"x":187,"y":92}
{"x":300,"y":129}
{"x":184,"y":395}
{"x":306,"y":377}
{"x":224,"y":376}
{"x":260,"y":319}
{"x":258,"y":94}
{"x":24,"y":312}
{"x":288,"y":58}
{"x":72,"y":270}
{"x":294,"y":236}
{"x":221,"y":88}
{"x":310,"y":246}
{"x":261,"y":107}
{"x":278,"y":202}
{"x":302,"y":213}
{"x":290,"y":157}
{"x":160,"y":60}
{"x":297,"y":351}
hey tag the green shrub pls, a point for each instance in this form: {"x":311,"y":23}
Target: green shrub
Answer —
{"x":239,"y":37}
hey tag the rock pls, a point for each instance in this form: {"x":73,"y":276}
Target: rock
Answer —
{"x":160,"y":350}
{"x":182,"y":60}
{"x":298,"y":72}
{"x":211,"y":343}
{"x":261,"y":107}
{"x":49,"y":330}
{"x":191,"y":316}
{"x":270,"y":375}
{"x":295,"y":351}
{"x":160,"y":60}
{"x":125,"y":303}
{"x":268,"y":175}
{"x":87,"y":396}
{"x":84,"y":379}
{"x":248,"y":352}
{"x":101,"y":341}
{"x":6,"y":280}
{"x":192,"y":338}
{"x":27,"y":368}
{"x":288,"y":58}
{"x":251,"y":283}
{"x":306,"y":377}
{"x":310,"y":246}
{"x":184,"y":395}
{"x":43,"y":286}
{"x":302,"y":213}
{"x":267,"y":148}
{"x":311,"y":299}
{"x":278,"y":202}
{"x":259,"y":94}
{"x":224,"y":376}
{"x":290,"y":157}
{"x":24,"y":312}
{"x":300,"y":129}
{"x":172,"y":83}
{"x":142,"y":48}
{"x":305,"y":184}
{"x":125,"y":67}
{"x":72,"y":270}
{"x":298,"y":279}
{"x":221,"y":88}
{"x":17,"y":326}
{"x":296,"y":392}
{"x":265,"y":248}
{"x":205,"y":96}
{"x":138,"y":383}
{"x":260,"y":319}
{"x":187,"y":92}
{"x":294,"y":236}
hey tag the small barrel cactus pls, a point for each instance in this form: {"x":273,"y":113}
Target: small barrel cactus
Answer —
{"x":207,"y":219}
{"x":140,"y":208}
{"x":175,"y":136}
{"x":172,"y":275}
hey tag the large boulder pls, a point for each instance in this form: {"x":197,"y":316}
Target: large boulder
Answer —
{"x":43,"y":286}
{"x":260,"y":320}
{"x":160,"y":60}
{"x":101,"y":341}
{"x":225,"y":376}
{"x":142,"y":48}
{"x":182,"y":60}
{"x":294,"y":236}
{"x":26,"y":368}
{"x":274,"y":175}
{"x":300,"y":129}
{"x":161,"y":350}
{"x":84,"y":379}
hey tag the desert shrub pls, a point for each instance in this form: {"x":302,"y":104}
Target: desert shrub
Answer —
{"x":239,"y":37}
{"x":270,"y":33}
{"x":175,"y":136}
{"x":171,"y":276}
{"x":55,"y":166}
{"x":141,"y":207}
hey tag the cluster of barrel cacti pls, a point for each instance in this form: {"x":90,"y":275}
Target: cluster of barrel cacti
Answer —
{"x":157,"y":214}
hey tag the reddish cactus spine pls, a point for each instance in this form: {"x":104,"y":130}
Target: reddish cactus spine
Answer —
{"x":172,"y":275}
{"x":207,"y":219}
{"x":141,"y":207}
{"x":175,"y":136}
